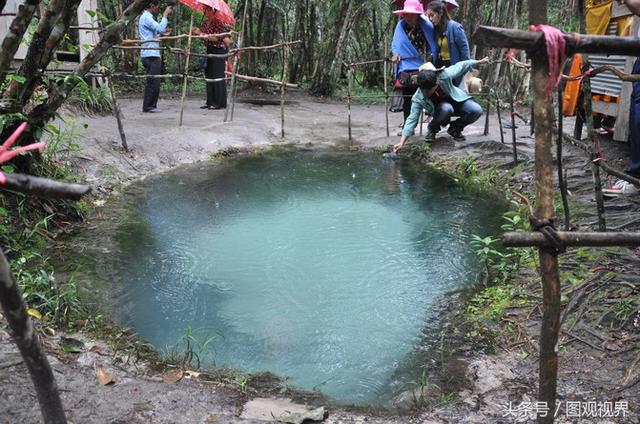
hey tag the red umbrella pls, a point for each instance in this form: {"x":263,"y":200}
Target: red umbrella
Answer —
{"x":451,"y":4}
{"x":212,"y":8}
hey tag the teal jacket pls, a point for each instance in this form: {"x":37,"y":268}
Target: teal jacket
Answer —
{"x":445,"y":81}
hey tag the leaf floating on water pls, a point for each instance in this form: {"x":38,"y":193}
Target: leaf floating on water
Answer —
{"x":172,"y":376}
{"x":34,"y":313}
{"x":103,"y":376}
{"x":213,"y":419}
{"x":71,"y":345}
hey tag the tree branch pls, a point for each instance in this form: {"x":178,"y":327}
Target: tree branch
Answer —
{"x":528,"y":239}
{"x":15,"y":312}
{"x":29,"y":69}
{"x":44,"y":187}
{"x":576,"y":43}
{"x":17,"y":29}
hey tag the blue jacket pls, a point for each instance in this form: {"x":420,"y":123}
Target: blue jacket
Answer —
{"x":446,"y":82}
{"x":148,"y":28}
{"x":401,"y":46}
{"x":457,"y":41}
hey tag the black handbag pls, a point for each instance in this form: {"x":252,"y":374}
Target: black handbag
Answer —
{"x":408,"y":78}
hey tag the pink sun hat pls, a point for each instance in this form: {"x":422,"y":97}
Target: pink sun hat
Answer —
{"x":413,"y":7}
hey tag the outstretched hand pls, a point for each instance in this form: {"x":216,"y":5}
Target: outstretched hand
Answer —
{"x":484,"y":60}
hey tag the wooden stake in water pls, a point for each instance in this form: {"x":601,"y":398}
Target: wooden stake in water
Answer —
{"x":186,"y":71}
{"x":386,"y":84}
{"x":285,"y":63}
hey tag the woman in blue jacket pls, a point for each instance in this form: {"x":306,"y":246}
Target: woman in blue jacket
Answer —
{"x":453,"y":46}
{"x":413,"y":44}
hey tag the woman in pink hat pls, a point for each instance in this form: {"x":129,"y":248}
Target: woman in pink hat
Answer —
{"x":413,"y":44}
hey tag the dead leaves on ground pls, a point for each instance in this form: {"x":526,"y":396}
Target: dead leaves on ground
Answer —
{"x":173,"y":376}
{"x":103,"y":376}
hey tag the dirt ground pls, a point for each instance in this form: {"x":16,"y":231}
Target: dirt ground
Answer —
{"x":588,"y":371}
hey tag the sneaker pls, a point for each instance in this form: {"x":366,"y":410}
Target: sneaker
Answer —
{"x":430,"y":137}
{"x":456,"y":134}
{"x":152,"y":110}
{"x":621,"y":188}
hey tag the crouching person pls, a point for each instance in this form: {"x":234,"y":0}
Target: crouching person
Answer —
{"x":441,"y":99}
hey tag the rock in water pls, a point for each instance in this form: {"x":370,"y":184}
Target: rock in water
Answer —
{"x":389,"y":155}
{"x":282,"y":410}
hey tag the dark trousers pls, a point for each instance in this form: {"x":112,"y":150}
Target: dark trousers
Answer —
{"x":634,"y":125}
{"x":216,"y":91}
{"x":152,"y":66}
{"x":408,"y":93}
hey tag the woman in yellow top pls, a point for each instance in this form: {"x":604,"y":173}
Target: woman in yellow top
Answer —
{"x":453,"y":46}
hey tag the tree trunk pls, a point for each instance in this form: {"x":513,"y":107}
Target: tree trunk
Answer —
{"x":42,"y":43}
{"x":17,"y":29}
{"x":330,"y":61}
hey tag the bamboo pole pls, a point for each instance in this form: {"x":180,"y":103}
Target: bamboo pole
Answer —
{"x":597,"y":180}
{"x":349,"y":93}
{"x":386,"y":84}
{"x":486,"y":118}
{"x":263,"y":80}
{"x":186,"y":71}
{"x":572,"y":239}
{"x":232,"y":90}
{"x":178,"y":37}
{"x":562,"y":182}
{"x":513,"y":116}
{"x":117,"y":113}
{"x":499,"y":119}
{"x":283,"y":87}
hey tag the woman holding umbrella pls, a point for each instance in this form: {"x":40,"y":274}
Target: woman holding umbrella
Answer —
{"x":413,"y":44}
{"x":452,"y":41}
{"x":218,"y":20}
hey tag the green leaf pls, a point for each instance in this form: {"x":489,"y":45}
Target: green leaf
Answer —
{"x":53,"y":129}
{"x":8,"y":168}
{"x":91,"y":13}
{"x":71,"y":345}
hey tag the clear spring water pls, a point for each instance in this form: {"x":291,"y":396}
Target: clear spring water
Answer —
{"x":318,"y":267}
